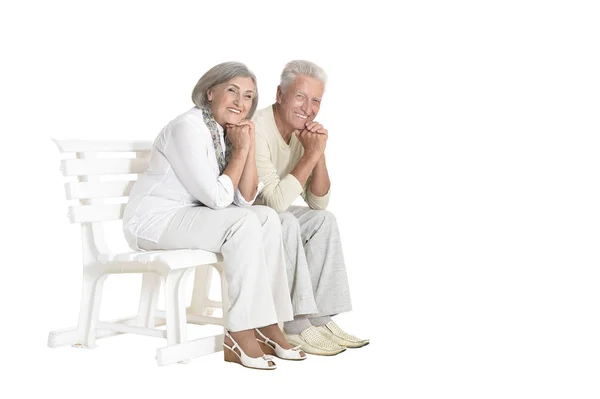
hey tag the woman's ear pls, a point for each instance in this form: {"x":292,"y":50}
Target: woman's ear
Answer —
{"x":209,"y":95}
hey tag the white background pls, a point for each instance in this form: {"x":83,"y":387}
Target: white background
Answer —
{"x":464,"y":157}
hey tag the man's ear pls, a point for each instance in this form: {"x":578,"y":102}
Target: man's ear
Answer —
{"x":279,"y":95}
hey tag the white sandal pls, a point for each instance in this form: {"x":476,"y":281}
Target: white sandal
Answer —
{"x":265,"y":362}
{"x":273,"y":348}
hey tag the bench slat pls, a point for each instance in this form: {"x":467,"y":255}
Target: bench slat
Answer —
{"x":102,"y":146}
{"x":95,"y":213}
{"x":114,"y":166}
{"x":88,"y":190}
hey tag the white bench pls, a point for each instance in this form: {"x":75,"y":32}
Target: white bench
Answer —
{"x":100,"y":172}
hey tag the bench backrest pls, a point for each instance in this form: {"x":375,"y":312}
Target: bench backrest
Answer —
{"x":100,"y":175}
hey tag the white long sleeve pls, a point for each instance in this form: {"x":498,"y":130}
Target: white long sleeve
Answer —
{"x":183,"y":171}
{"x":186,"y":150}
{"x":275,"y":160}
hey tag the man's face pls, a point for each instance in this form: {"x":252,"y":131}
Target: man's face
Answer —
{"x":301,"y":101}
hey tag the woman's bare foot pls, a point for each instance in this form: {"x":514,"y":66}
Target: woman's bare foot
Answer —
{"x":247,"y":341}
{"x":274,"y":332}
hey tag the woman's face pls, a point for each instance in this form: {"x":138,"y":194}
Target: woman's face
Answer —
{"x":230,"y":101}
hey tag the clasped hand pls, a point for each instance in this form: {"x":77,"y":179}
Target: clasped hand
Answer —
{"x":241,"y":135}
{"x":313,"y":138}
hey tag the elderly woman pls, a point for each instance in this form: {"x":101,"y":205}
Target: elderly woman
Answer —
{"x":198,"y":192}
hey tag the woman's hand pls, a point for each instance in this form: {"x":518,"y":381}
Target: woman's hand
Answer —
{"x":249,"y":180}
{"x":239,"y":136}
{"x":250,"y":124}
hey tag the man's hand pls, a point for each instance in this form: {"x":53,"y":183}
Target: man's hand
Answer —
{"x":316,"y":127}
{"x":314,"y":143}
{"x":314,"y":139}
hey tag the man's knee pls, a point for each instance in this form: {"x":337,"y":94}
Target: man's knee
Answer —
{"x":289,"y":221}
{"x":327,"y":218}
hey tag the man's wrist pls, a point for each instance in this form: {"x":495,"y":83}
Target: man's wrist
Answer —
{"x":320,"y":161}
{"x":313,"y":156}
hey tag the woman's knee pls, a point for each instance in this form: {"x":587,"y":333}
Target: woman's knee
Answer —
{"x":264,"y":213}
{"x":269,"y":219}
{"x":272,"y":221}
{"x":250,"y":222}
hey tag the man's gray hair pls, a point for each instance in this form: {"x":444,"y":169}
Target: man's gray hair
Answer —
{"x":300,"y":67}
{"x":220,"y":74}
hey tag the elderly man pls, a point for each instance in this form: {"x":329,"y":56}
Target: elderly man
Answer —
{"x":290,"y":160}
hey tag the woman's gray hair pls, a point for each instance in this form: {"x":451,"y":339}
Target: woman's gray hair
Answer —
{"x":300,"y":67}
{"x":220,"y":74}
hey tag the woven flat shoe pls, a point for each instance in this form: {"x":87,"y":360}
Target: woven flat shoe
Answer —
{"x":231,"y":355}
{"x":271,"y":347}
{"x":313,"y":342}
{"x":334,"y":333}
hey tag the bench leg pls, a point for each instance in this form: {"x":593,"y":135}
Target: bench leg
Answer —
{"x":201,"y":304}
{"x":224,"y":294}
{"x":175,"y":308}
{"x":148,"y":300}
{"x":89,"y":309}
